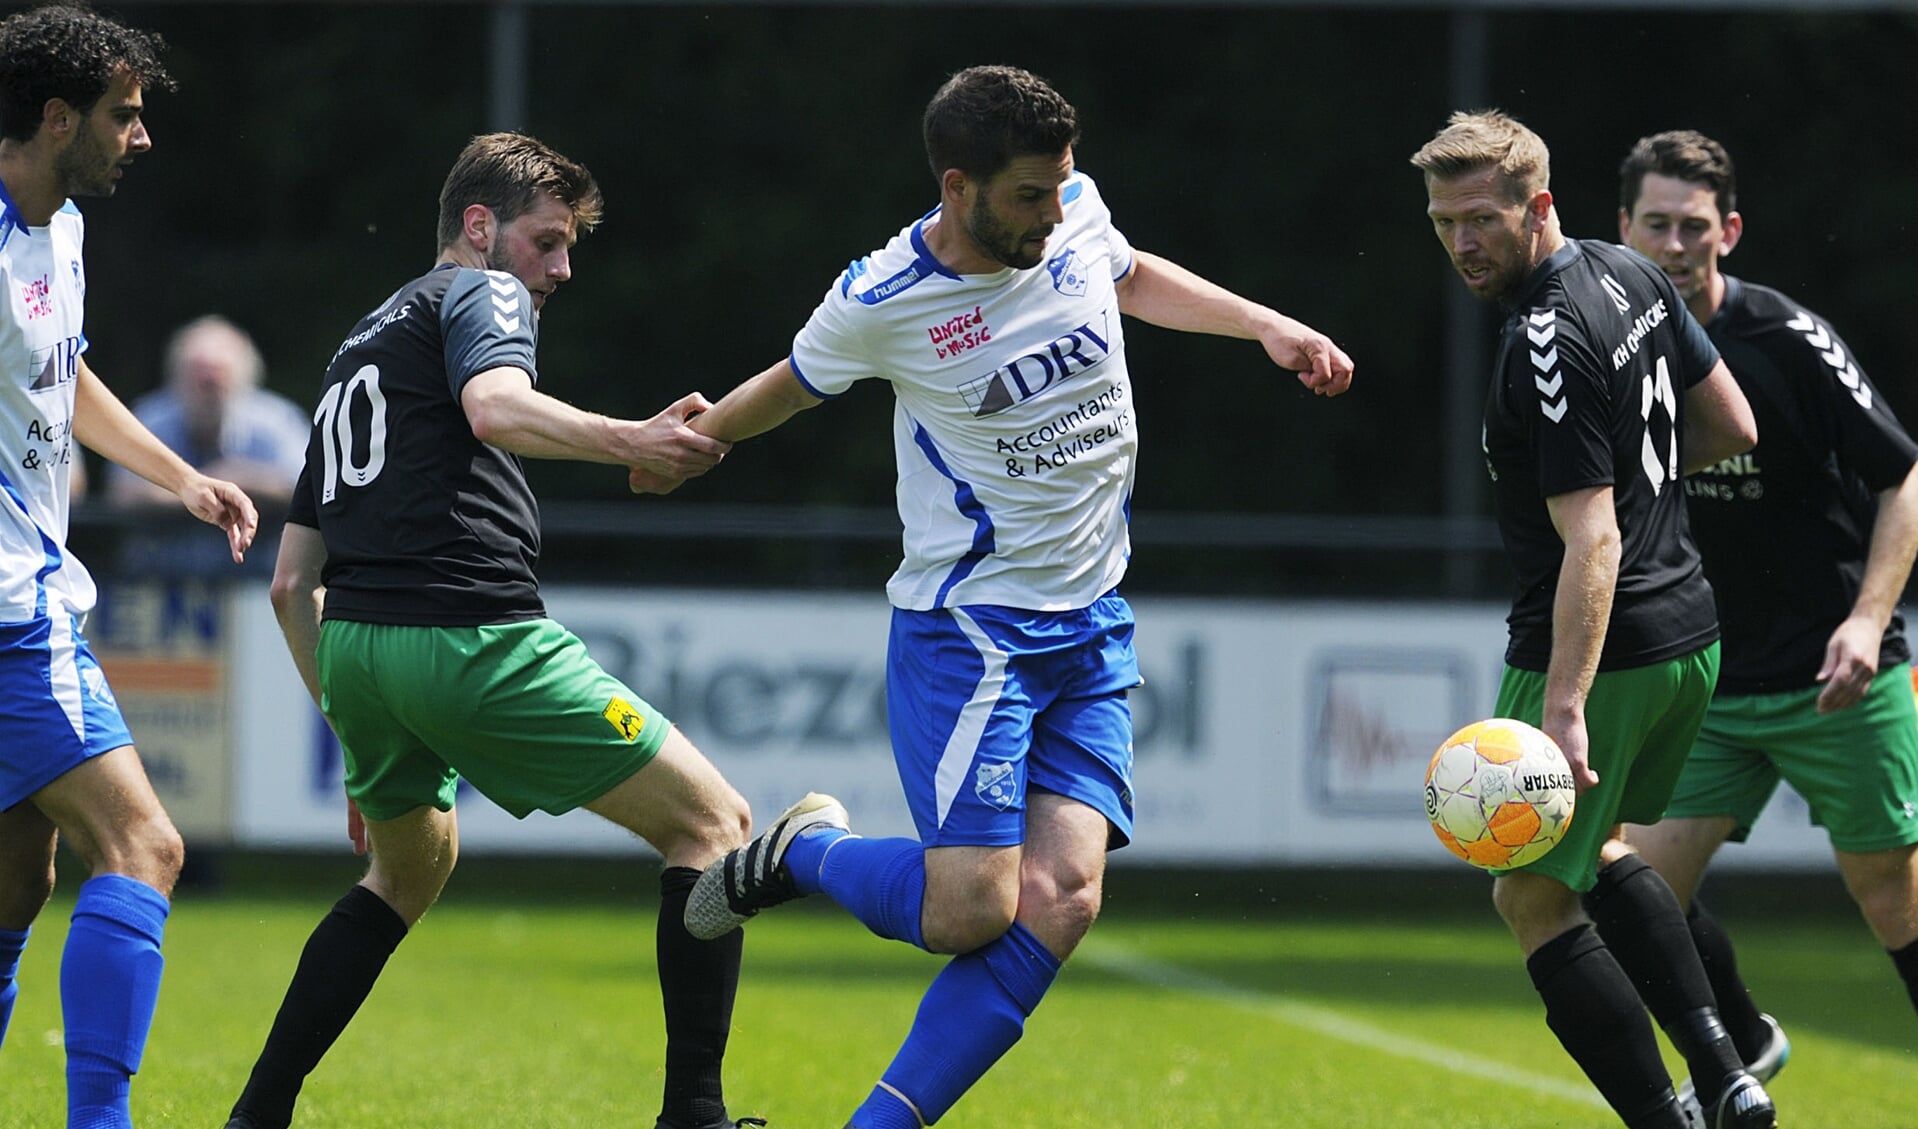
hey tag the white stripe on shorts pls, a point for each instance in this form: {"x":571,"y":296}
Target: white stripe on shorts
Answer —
{"x":957,"y":757}
{"x":64,"y":671}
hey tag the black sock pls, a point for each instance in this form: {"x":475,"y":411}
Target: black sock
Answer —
{"x":1639,"y":917}
{"x":342,"y":959}
{"x":1750,"y":1033}
{"x":697,"y":982}
{"x":1905,"y":960}
{"x":1591,"y":1007}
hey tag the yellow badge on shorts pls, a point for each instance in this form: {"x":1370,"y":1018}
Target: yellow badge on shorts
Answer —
{"x":620,"y":714}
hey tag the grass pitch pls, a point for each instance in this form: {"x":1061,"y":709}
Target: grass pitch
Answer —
{"x":1303,"y":1012}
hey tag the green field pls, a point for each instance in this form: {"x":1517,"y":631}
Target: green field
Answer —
{"x":1308,"y":1010}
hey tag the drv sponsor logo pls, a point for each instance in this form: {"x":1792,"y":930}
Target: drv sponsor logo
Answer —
{"x":55,"y":365}
{"x":1029,"y":374}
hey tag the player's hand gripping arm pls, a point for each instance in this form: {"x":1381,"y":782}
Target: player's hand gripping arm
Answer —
{"x":1851,"y":654}
{"x":1166,"y":294}
{"x":758,"y":405}
{"x":506,"y":411}
{"x":1718,"y":421}
{"x":108,"y":426}
{"x":1587,"y":578}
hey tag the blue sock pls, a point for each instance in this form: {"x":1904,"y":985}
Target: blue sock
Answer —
{"x":12,"y":944}
{"x":971,"y":1016}
{"x":882,"y":882}
{"x":109,"y":982}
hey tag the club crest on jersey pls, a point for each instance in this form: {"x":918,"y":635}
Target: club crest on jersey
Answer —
{"x":1068,"y":273}
{"x":620,"y":714}
{"x":996,"y":785}
{"x":1031,"y":373}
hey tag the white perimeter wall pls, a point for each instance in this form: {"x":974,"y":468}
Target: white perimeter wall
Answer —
{"x":1267,"y":731}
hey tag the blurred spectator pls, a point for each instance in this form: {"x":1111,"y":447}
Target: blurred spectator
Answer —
{"x":213,"y":411}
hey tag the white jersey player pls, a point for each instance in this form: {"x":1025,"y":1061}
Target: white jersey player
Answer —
{"x":996,"y":318}
{"x":40,"y":345}
{"x":70,"y":104}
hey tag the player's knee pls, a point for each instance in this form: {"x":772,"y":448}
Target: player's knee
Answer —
{"x":961,"y":920}
{"x":24,"y":895}
{"x":149,"y":849}
{"x":1885,"y":886}
{"x":704,"y":832}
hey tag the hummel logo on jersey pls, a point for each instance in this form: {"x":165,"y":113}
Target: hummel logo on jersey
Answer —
{"x":505,"y":301}
{"x":1025,"y":376}
{"x":1542,"y":330}
{"x":1617,"y":290}
{"x":1832,"y":352}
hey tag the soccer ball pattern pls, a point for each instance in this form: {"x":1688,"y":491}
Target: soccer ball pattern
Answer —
{"x":1499,"y":794}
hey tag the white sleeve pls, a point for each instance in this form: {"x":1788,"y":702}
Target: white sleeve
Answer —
{"x":829,"y":353}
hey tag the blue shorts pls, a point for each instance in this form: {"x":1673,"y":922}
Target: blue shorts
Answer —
{"x":55,"y":707}
{"x":985,"y":703}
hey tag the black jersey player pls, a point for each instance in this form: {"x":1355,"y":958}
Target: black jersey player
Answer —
{"x":406,"y":591}
{"x":1808,"y":541}
{"x":1605,"y":392}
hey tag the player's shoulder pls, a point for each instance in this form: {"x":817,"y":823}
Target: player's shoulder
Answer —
{"x":882,"y":282}
{"x":1755,"y":309}
{"x":68,"y":222}
{"x":1081,"y":192}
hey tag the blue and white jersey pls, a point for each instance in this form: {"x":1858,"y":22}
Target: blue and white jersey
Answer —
{"x":1013,"y":426}
{"x":40,"y":345}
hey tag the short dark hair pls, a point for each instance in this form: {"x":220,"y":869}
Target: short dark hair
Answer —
{"x":1682,"y":154}
{"x":507,"y":172}
{"x":72,"y":53}
{"x":984,"y":117}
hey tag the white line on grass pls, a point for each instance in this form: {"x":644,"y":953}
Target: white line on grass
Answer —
{"x":1326,"y":1021}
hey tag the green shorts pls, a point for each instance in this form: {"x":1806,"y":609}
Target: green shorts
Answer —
{"x":1857,"y":768}
{"x":1640,"y":723}
{"x":518,"y":709}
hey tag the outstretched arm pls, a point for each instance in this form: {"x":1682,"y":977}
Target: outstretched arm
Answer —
{"x":506,"y":411}
{"x":1851,"y":654}
{"x":757,"y":406}
{"x":1166,"y":294}
{"x":108,"y":426}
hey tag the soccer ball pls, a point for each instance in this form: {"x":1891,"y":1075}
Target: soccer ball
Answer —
{"x":1499,"y":794}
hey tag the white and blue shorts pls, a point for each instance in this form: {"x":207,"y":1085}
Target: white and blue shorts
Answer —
{"x":987,"y":703}
{"x":55,"y":708}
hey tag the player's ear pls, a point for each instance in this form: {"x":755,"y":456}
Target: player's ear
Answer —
{"x":476,"y":223}
{"x":1539,"y":209}
{"x":1734,"y":231}
{"x":59,"y":116}
{"x":1624,"y":227}
{"x":953,"y":184}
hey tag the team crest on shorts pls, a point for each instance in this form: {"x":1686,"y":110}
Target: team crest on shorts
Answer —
{"x":996,"y":785}
{"x":620,"y":714}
